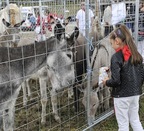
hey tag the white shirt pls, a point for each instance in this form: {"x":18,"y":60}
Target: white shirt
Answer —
{"x":81,"y":17}
{"x":107,"y":18}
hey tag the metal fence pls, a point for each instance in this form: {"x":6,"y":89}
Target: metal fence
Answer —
{"x":28,"y":117}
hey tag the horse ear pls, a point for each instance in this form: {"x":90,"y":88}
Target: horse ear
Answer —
{"x":7,"y":24}
{"x":19,"y":24}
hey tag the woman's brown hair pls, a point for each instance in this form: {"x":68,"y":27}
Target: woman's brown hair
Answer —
{"x":124,"y":34}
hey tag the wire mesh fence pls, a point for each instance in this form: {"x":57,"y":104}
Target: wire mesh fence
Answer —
{"x":36,"y":95}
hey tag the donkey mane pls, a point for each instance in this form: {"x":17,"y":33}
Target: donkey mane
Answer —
{"x":33,"y":49}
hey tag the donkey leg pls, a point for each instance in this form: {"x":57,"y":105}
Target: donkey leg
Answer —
{"x":106,"y":98}
{"x":101,"y":98}
{"x":28,"y":87}
{"x":1,"y":120}
{"x":54,"y":105}
{"x":70,"y":92}
{"x":43,"y":92}
{"x":8,"y":118}
{"x":23,"y":85}
{"x":76,"y":98}
{"x":8,"y":113}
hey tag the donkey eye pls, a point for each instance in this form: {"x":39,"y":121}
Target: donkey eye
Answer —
{"x":69,"y":55}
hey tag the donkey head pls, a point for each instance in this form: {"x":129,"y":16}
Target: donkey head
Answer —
{"x":11,"y":34}
{"x":73,"y":37}
{"x":93,"y":102}
{"x":59,"y":31}
{"x":60,"y":65}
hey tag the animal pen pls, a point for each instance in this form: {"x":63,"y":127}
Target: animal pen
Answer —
{"x":29,"y":113}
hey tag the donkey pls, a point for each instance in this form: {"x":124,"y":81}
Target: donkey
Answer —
{"x":10,"y":37}
{"x":101,"y":58}
{"x":100,"y":95}
{"x":17,"y":64}
{"x":42,"y":74}
{"x":80,"y":58}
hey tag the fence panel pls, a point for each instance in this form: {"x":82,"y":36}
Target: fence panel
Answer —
{"x":28,"y":107}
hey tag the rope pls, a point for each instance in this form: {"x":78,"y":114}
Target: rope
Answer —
{"x":90,"y":44}
{"x":89,"y":71}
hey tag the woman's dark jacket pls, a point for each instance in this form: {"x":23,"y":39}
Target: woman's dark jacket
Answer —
{"x":126,"y":79}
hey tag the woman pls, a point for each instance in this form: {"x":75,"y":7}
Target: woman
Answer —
{"x":126,"y":79}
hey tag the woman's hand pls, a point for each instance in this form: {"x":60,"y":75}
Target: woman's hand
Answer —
{"x":104,"y":81}
{"x":106,"y":69}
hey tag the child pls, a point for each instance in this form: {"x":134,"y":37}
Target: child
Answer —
{"x":126,"y":79}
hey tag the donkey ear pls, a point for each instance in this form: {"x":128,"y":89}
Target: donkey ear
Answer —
{"x":66,"y":21}
{"x":76,"y":31}
{"x":75,"y":34}
{"x":19,"y":24}
{"x":52,"y":17}
{"x":7,"y":24}
{"x":59,"y":31}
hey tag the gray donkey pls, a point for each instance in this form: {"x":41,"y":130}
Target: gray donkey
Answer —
{"x":18,"y":64}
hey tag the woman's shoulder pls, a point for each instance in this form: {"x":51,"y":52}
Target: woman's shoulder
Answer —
{"x":118,"y":56}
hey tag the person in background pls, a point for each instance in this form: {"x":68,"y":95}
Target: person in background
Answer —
{"x":32,"y":21}
{"x":141,"y":23}
{"x":141,"y":8}
{"x":49,"y":19}
{"x":127,"y":76}
{"x":39,"y":22}
{"x":107,"y":19}
{"x":40,"y":31}
{"x":130,"y":19}
{"x":80,"y":18}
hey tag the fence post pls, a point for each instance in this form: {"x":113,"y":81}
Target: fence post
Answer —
{"x":7,"y":3}
{"x":87,"y":49}
{"x":41,"y":19}
{"x":64,"y":4}
{"x":136,"y":20}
